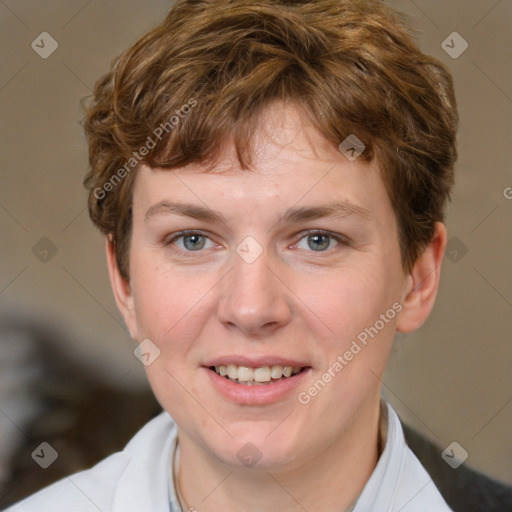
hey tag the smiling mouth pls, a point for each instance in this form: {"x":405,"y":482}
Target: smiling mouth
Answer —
{"x":261,"y":376}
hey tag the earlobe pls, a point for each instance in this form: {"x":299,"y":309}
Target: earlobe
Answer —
{"x":121,"y":289}
{"x":422,"y":283}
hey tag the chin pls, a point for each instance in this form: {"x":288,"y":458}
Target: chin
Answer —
{"x":258,"y":451}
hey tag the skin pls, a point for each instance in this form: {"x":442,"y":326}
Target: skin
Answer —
{"x":295,"y":300}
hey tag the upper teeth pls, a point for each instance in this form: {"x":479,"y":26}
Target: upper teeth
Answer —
{"x":260,"y":374}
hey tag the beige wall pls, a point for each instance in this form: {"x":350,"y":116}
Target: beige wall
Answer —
{"x":451,"y":379}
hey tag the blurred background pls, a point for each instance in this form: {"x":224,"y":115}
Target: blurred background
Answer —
{"x":65,"y":354}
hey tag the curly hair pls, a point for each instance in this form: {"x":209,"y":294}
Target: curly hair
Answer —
{"x":210,"y":69}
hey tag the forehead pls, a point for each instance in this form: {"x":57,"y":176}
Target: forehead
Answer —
{"x":292,"y":164}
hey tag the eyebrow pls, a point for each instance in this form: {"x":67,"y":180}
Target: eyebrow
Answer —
{"x":338,"y":209}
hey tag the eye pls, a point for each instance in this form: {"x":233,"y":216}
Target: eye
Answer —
{"x":319,"y":241}
{"x":191,"y":241}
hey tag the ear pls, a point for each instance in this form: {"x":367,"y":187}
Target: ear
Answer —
{"x":422,"y":283}
{"x":121,"y":288}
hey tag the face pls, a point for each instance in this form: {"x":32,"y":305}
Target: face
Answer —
{"x":292,"y":264}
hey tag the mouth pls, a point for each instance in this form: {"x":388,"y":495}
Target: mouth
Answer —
{"x":256,"y":376}
{"x":256,"y":380}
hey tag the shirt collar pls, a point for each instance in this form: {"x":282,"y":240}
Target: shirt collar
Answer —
{"x":382,"y":485}
{"x":143,"y":485}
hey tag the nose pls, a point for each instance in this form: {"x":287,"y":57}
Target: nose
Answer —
{"x":254,"y":298}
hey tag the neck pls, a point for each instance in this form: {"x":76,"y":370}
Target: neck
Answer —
{"x":330,"y":481}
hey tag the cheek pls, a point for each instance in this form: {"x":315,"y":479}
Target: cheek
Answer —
{"x":352,"y":299}
{"x":171,"y":314}
{"x":357,"y":347}
{"x":168,"y":306}
{"x":357,"y":307}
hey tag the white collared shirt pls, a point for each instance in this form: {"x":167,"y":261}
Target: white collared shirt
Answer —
{"x":140,"y":479}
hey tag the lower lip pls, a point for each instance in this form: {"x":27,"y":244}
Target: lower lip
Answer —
{"x":256,"y":395}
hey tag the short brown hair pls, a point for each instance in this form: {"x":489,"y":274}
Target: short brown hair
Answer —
{"x":351,"y":66}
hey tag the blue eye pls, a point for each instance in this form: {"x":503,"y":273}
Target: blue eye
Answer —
{"x":319,"y":241}
{"x":192,"y":241}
